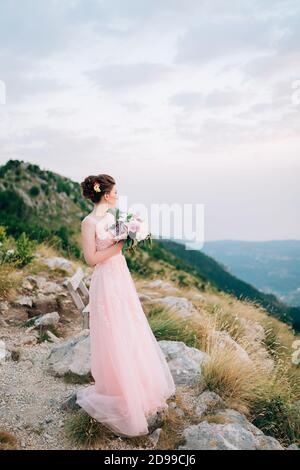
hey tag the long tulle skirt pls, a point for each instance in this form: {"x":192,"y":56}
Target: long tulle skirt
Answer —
{"x":132,"y":377}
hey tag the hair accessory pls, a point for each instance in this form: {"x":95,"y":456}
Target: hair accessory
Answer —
{"x":97,"y":188}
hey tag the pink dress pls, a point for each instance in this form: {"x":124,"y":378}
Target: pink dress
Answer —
{"x":131,"y":374}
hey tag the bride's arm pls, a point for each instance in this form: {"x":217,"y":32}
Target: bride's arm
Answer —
{"x":91,"y":256}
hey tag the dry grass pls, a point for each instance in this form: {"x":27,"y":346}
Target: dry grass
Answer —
{"x":237,"y":381}
{"x":168,"y":325}
{"x":171,"y":433}
{"x":216,"y":419}
{"x":7,"y":441}
{"x":9,"y":279}
{"x":46,"y":250}
{"x":225,"y":320}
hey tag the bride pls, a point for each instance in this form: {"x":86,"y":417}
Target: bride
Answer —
{"x":132,"y":379}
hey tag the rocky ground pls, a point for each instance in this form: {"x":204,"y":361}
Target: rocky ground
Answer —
{"x":34,"y":404}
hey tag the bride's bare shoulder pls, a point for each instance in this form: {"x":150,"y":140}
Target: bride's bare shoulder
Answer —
{"x":87,"y":220}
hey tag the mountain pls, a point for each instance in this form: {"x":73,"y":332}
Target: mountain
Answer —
{"x":271,"y":266}
{"x":234,"y":364}
{"x":219,"y":276}
{"x":43,"y":204}
{"x":49,"y":207}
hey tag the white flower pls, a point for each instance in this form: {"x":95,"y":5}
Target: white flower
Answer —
{"x":122,"y":216}
{"x":10,"y":252}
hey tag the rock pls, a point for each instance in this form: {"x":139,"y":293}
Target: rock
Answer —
{"x":29,"y":340}
{"x":212,"y":436}
{"x":144,"y":297}
{"x":38,"y":281}
{"x":181,"y":305}
{"x":173,"y":405}
{"x":224,"y":340}
{"x":26,"y":364}
{"x":162,"y":285}
{"x":71,"y":356}
{"x":267,"y":443}
{"x":293,"y":447}
{"x":70,"y":403}
{"x":154,"y":436}
{"x":48,"y":319}
{"x":233,"y":416}
{"x":5,"y":354}
{"x":151,"y":295}
{"x":207,"y":401}
{"x":4,"y":306}
{"x":253,"y":330}
{"x":3,"y":322}
{"x":27,"y":285}
{"x":16,"y":315}
{"x":47,"y":287}
{"x":197,"y":296}
{"x":236,"y":433}
{"x":57,"y":262}
{"x":52,"y":337}
{"x":52,"y":288}
{"x":157,"y":419}
{"x":24,"y":300}
{"x":229,"y":436}
{"x":184,"y":362}
{"x":43,"y":304}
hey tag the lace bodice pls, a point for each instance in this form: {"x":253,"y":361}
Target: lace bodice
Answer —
{"x":102,"y":240}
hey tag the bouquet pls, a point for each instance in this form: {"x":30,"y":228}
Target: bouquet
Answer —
{"x":129,"y":227}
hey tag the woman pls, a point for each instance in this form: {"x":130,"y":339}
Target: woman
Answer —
{"x":132,"y":377}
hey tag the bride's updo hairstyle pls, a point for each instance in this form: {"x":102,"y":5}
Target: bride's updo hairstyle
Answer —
{"x":93,"y":187}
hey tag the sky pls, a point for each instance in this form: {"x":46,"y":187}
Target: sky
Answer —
{"x":181,"y":101}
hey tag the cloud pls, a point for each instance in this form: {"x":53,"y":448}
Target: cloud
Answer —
{"x":219,"y":37}
{"x":118,"y":76}
{"x":193,"y":92}
{"x":215,"y":99}
{"x":273,"y":66}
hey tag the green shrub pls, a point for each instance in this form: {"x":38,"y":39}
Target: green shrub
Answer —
{"x":276,"y":417}
{"x":166,"y":325}
{"x":138,"y":264}
{"x":63,"y":187}
{"x":34,"y":191}
{"x":182,"y":280}
{"x":83,"y":429}
{"x":3,"y":235}
{"x":24,"y":250}
{"x":272,"y":341}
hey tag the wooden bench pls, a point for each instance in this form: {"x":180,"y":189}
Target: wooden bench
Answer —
{"x":80,"y":295}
